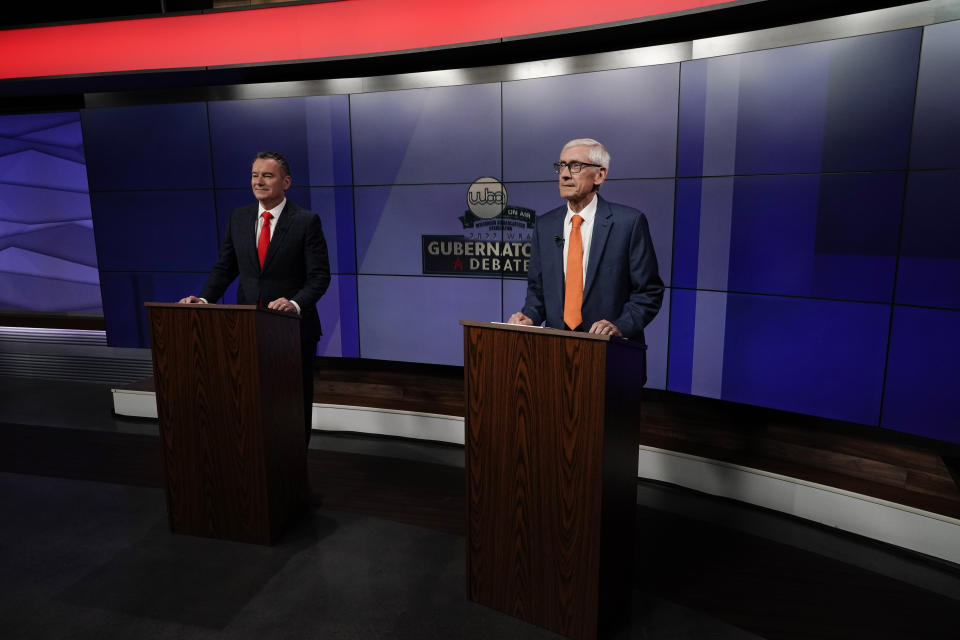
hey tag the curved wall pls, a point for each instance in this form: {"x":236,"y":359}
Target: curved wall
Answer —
{"x":800,"y":198}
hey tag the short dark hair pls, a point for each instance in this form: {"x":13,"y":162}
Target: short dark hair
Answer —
{"x":273,"y":155}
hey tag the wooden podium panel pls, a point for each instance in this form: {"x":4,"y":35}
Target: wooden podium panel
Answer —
{"x":551,"y":464}
{"x":229,"y":400}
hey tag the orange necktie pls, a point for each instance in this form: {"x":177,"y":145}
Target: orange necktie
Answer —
{"x":264,"y":240}
{"x":573,"y":292}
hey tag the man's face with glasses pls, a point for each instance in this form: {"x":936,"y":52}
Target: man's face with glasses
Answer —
{"x":578,"y":176}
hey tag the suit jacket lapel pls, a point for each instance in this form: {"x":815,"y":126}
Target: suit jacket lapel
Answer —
{"x":601,"y":230}
{"x":245,"y":237}
{"x":555,"y":250}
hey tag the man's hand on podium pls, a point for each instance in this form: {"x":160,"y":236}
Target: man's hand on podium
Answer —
{"x":519,"y":318}
{"x":192,"y":300}
{"x":282,"y":304}
{"x":605,"y":328}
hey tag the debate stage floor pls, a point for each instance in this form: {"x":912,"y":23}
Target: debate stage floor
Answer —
{"x":85,"y":551}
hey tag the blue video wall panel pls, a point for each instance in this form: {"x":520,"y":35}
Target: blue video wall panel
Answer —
{"x":632,"y":111}
{"x":335,"y":208}
{"x":819,"y":357}
{"x":929,"y":272}
{"x":48,"y":260}
{"x":657,"y":335}
{"x":807,"y":108}
{"x":313,"y":134}
{"x":921,"y":390}
{"x":337,"y":309}
{"x":683,"y":342}
{"x":780,"y":114}
{"x":783,"y":228}
{"x":413,"y":318}
{"x":821,"y":235}
{"x":148,"y":147}
{"x":241,"y":128}
{"x":868,"y":121}
{"x":417,"y":136}
{"x":936,"y":128}
{"x":155,"y":230}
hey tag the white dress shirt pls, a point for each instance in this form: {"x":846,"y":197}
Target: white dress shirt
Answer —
{"x":586,"y":233}
{"x":275,"y":212}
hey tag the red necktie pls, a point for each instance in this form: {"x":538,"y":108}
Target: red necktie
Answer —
{"x":573,"y":289}
{"x":264,"y":240}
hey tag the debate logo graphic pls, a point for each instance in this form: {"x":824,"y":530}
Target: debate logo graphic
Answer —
{"x":495,"y":239}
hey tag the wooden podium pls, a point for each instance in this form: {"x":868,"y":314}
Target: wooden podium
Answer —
{"x":551,"y":466}
{"x":229,"y":399}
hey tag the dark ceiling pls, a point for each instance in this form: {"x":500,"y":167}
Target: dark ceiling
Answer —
{"x":21,"y":13}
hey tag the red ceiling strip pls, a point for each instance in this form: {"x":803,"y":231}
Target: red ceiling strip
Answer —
{"x":302,"y":32}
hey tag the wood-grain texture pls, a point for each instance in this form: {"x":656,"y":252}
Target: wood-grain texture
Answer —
{"x":228,"y":388}
{"x":884,"y":464}
{"x":549,"y":522}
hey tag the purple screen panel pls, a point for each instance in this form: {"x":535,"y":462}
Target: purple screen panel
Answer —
{"x":417,"y":319}
{"x":922,"y":374}
{"x":338,"y":319}
{"x":936,"y":127}
{"x":148,"y":147}
{"x":819,"y":357}
{"x":312,"y":134}
{"x":144,"y":230}
{"x":446,"y":134}
{"x":48,"y":257}
{"x":929,"y":270}
{"x":633,"y":112}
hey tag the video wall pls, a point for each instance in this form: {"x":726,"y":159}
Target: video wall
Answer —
{"x":802,"y":200}
{"x":48,"y":262}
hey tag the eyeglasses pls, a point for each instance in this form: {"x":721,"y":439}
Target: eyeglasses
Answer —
{"x":575,"y":167}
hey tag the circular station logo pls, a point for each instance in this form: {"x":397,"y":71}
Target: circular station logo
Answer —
{"x":487,"y":197}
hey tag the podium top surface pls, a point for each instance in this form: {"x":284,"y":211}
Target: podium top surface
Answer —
{"x":220,"y":307}
{"x":560,"y":333}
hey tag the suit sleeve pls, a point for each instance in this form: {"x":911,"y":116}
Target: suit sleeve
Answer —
{"x":534,"y":307}
{"x":646,"y":287}
{"x":225,"y":270}
{"x":316,"y":263}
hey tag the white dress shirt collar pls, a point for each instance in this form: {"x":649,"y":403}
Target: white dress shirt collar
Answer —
{"x":588,"y":214}
{"x":276,"y":211}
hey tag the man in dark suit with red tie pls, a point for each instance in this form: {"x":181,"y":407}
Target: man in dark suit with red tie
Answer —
{"x":278,"y":251}
{"x":592,"y":264}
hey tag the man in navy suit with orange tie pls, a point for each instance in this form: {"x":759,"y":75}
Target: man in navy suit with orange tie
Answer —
{"x":279,"y":253}
{"x":592,"y":264}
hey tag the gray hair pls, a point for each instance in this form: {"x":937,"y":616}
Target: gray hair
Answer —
{"x":597,"y":153}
